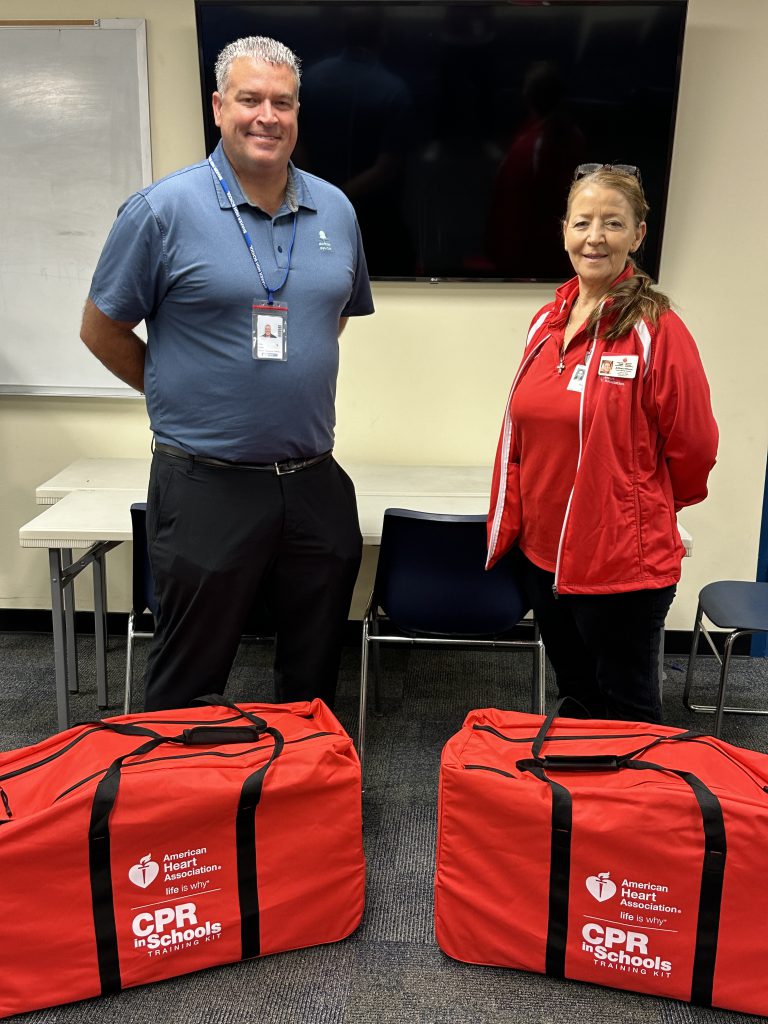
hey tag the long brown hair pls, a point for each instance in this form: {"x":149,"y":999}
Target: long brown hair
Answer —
{"x":634,"y":298}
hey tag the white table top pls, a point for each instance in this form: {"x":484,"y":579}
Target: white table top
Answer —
{"x":95,"y":474}
{"x":90,"y":500}
{"x":83,"y":518}
{"x":370,"y":478}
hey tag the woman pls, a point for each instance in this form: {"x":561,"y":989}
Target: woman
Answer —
{"x":608,"y":432}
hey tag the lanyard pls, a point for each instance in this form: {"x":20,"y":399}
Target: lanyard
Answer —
{"x":271,"y":292}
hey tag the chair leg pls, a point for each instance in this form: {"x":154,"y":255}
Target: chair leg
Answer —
{"x":719,"y":708}
{"x":375,"y":662}
{"x":363,"y":697}
{"x":129,"y":666}
{"x":538,"y":703}
{"x":692,"y":658}
{"x":724,"y":667}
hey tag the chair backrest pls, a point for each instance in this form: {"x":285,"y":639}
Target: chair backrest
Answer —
{"x":143,"y":580}
{"x":431,"y":576}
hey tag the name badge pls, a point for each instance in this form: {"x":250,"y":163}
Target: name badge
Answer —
{"x":576,"y":383}
{"x":269,"y":332}
{"x":617,"y":366}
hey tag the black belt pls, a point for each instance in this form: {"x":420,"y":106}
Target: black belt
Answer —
{"x":281,"y":468}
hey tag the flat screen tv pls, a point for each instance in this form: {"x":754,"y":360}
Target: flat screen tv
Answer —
{"x":455,"y":128}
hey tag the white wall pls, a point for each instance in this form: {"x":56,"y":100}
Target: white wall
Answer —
{"x":407,"y":391}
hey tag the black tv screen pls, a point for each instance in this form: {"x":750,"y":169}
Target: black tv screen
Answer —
{"x":455,"y":128}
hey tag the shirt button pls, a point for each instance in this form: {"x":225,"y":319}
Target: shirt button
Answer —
{"x":279,"y":248}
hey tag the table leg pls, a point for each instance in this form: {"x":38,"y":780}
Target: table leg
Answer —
{"x":100,"y":628}
{"x":59,"y":636}
{"x":68,"y":594}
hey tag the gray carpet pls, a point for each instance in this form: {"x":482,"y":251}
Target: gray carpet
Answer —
{"x":390,"y":971}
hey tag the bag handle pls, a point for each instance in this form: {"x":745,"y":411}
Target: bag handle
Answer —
{"x":217,"y":700}
{"x":220,"y":735}
{"x":546,"y":725}
{"x":127,"y":729}
{"x":575,"y":763}
{"x":585,"y":762}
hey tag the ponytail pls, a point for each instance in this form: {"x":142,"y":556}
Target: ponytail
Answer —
{"x":632,"y":299}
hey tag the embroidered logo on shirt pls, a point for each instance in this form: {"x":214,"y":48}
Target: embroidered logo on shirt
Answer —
{"x":323,"y":244}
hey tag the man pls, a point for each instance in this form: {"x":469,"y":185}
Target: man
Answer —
{"x":244,"y":495}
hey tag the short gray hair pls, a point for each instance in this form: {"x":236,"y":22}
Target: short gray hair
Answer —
{"x":260,"y":48}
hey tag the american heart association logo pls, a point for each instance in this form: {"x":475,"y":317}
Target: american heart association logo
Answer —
{"x":601,"y":887}
{"x":145,"y":872}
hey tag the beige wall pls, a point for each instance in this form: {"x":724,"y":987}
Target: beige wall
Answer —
{"x":409,"y":391}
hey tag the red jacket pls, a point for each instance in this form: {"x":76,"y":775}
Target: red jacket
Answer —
{"x":647,"y":446}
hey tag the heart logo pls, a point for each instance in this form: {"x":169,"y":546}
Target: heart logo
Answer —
{"x":145,"y":872}
{"x":601,"y":887}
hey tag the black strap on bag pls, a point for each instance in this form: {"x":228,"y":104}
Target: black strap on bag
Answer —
{"x":100,"y":861}
{"x":100,"y":869}
{"x":713,"y":864}
{"x":559,"y":874}
{"x":124,"y":728}
{"x":245,"y":839}
{"x":712,"y":878}
{"x":245,"y":835}
{"x":97,"y":726}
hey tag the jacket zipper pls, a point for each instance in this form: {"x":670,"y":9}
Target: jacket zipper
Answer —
{"x":588,"y":360}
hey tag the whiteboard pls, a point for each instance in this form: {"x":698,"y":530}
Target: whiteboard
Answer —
{"x":74,"y":125}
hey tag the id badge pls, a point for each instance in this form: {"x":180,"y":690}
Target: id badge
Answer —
{"x":576,"y":383}
{"x":617,"y":366}
{"x":269,"y":331}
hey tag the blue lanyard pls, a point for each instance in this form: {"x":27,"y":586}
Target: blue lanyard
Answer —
{"x":271,"y":292}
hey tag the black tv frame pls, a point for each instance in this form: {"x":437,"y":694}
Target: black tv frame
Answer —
{"x":656,"y":182}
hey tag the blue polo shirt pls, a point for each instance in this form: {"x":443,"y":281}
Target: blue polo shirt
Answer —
{"x":177,"y":259}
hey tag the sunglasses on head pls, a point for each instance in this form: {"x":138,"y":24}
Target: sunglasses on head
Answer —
{"x":629,"y":169}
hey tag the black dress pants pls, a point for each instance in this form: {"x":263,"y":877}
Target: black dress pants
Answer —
{"x":218,"y":536}
{"x":604,"y":648}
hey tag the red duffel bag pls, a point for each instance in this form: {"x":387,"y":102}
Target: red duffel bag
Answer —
{"x":148,"y":846}
{"x":629,"y":855}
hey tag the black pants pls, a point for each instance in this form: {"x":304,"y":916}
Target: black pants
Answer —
{"x":218,"y":537}
{"x":604,"y":648}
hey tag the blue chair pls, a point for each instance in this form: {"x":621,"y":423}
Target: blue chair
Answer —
{"x":143,"y":592}
{"x":431,"y":587}
{"x":736,"y":605}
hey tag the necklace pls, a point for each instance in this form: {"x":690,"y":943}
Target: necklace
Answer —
{"x":571,"y":315}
